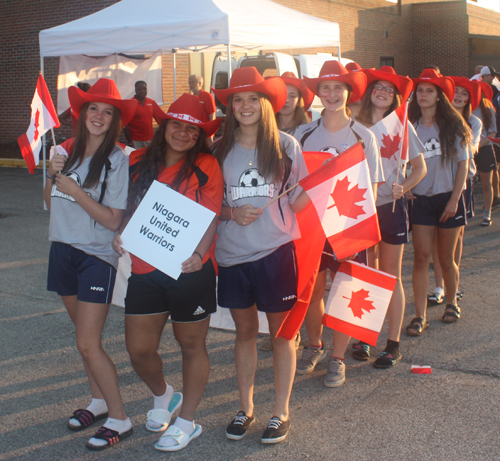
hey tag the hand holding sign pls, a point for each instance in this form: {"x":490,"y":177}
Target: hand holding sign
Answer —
{"x":166,"y":229}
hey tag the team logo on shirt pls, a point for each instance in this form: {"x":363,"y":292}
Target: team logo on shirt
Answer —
{"x":432,"y":148}
{"x":333,"y":150}
{"x":57,"y":193}
{"x":252,"y":184}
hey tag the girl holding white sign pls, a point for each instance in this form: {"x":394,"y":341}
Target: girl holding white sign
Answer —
{"x":255,"y":250}
{"x":87,"y":196}
{"x":176,"y":157}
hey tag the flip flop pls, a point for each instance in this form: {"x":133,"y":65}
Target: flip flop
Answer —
{"x":162,"y":416}
{"x":112,"y":437}
{"x":180,"y":438}
{"x":416,"y":327}
{"x":86,"y":418}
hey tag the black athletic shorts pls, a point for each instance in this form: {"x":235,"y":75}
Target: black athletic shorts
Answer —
{"x":427,"y":211}
{"x":485,"y":159}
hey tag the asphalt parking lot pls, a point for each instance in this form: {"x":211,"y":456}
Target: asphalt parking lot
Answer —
{"x":452,"y":414}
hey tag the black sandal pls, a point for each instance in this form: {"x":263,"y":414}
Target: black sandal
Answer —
{"x":451,"y":314}
{"x":416,"y":327}
{"x":361,"y":351}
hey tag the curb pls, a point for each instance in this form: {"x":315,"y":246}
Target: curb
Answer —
{"x":18,"y":163}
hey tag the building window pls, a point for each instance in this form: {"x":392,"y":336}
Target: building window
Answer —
{"x":386,"y":61}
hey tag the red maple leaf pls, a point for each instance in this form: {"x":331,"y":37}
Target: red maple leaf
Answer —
{"x":359,"y":302}
{"x":37,"y":124}
{"x":390,"y":146}
{"x":345,"y":199}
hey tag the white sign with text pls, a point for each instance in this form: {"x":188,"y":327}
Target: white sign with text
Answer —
{"x":166,"y":228}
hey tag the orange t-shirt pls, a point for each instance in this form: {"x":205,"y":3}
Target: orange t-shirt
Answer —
{"x":205,"y":186}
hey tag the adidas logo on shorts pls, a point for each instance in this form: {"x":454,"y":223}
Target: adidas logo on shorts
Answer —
{"x":97,"y":289}
{"x":402,"y":234}
{"x":287,"y":298}
{"x":199,"y":311}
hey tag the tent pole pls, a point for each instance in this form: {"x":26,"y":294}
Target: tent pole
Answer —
{"x":43,"y":145}
{"x":229,"y":62}
{"x":175,"y":75}
{"x":338,"y":52}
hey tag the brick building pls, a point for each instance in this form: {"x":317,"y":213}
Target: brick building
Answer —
{"x":409,"y":35}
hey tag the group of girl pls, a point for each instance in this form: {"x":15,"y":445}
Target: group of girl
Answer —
{"x":94,"y":190}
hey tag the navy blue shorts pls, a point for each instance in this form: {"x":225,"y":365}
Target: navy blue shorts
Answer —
{"x":426,"y":211}
{"x":485,"y":159}
{"x":329,"y":262}
{"x":74,"y":272}
{"x":469,"y":198}
{"x":190,"y":298}
{"x":394,"y":226}
{"x":270,"y":282}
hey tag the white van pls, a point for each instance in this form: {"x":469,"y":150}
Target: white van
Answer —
{"x":269,"y":65}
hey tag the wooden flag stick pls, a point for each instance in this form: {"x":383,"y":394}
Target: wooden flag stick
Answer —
{"x":279,"y":196}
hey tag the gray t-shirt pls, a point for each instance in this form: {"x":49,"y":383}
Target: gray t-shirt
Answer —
{"x":394,"y":172}
{"x":476,"y":127}
{"x":440,"y":177}
{"x":487,"y":129}
{"x":70,"y":223}
{"x":314,"y":137}
{"x":244,"y":184}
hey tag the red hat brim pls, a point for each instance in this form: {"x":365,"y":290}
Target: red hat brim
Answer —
{"x":356,"y":80}
{"x":472,"y":87}
{"x":486,"y":89}
{"x":445,"y":83}
{"x":403,"y":84}
{"x":210,"y":128}
{"x":274,"y":88}
{"x":77,"y":98}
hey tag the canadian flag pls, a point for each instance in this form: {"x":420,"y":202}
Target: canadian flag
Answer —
{"x":392,"y":136}
{"x":341,"y":192}
{"x":358,"y":301}
{"x":43,"y":118}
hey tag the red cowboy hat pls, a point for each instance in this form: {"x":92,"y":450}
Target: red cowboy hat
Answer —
{"x":188,"y":108}
{"x":472,"y":87}
{"x":333,"y":70}
{"x":486,"y":89}
{"x":249,"y":79}
{"x":307,"y":95}
{"x":104,"y":90}
{"x":353,"y":67}
{"x":432,"y":76}
{"x":388,"y":74}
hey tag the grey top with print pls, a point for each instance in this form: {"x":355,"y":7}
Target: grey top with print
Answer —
{"x":70,"y":223}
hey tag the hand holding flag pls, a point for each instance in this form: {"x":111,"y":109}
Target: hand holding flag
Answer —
{"x":43,"y":118}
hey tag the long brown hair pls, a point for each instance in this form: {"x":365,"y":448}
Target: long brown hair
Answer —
{"x":101,"y":154}
{"x":154,"y":160}
{"x":300,"y":116}
{"x":449,"y":121}
{"x":366,"y":111}
{"x":487,"y":118}
{"x":272,"y":160}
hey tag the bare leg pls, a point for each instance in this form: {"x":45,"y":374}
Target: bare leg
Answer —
{"x":315,"y":311}
{"x":423,"y":239}
{"x":486,"y":184}
{"x":340,"y":343}
{"x":195,"y":364}
{"x":90,"y":319}
{"x":447,"y":246}
{"x":390,"y":261}
{"x":438,"y":273}
{"x":284,"y":360}
{"x":142,"y":336}
{"x":245,"y":354}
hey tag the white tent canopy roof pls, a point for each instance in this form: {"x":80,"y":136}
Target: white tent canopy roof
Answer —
{"x":143,"y":27}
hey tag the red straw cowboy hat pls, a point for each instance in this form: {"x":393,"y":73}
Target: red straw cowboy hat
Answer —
{"x":249,"y":79}
{"x":333,"y":70}
{"x":431,"y":76}
{"x":353,"y":67}
{"x":486,"y":89}
{"x":188,"y":108}
{"x":307,"y":95}
{"x":472,"y":87}
{"x":104,"y":90}
{"x":388,"y":74}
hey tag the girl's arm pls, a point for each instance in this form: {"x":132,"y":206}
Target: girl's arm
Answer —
{"x":195,"y":261}
{"x":243,"y":215}
{"x":485,"y":141}
{"x":300,"y":203}
{"x":56,"y":165}
{"x":110,"y":218}
{"x":418,"y":172}
{"x":452,"y":205}
{"x":117,"y":239}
